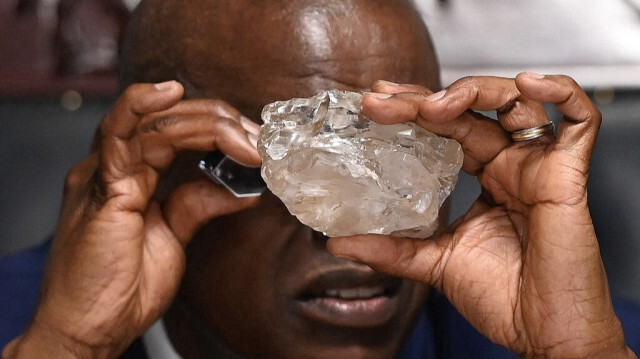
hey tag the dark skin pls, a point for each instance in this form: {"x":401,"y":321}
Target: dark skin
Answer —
{"x":119,"y":260}
{"x":240,"y":279}
{"x":527,"y":246}
{"x":271,"y":259}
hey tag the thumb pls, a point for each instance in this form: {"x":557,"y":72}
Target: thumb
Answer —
{"x":193,"y":204}
{"x":421,"y":260}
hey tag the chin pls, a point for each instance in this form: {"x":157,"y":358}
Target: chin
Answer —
{"x":348,"y":343}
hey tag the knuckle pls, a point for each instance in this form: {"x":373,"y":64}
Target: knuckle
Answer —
{"x":226,"y":123}
{"x":132,"y":93}
{"x":597,"y":115}
{"x":571,"y":87}
{"x":80,"y":174}
{"x":592,"y":114}
{"x":405,"y":257}
{"x":468,"y":87}
{"x":159,"y":124}
{"x":568,"y":81}
{"x":470,"y":82}
{"x":221,"y":108}
{"x":378,"y":84}
{"x":594,"y":120}
{"x":74,"y":178}
{"x":462,"y":133}
{"x":586,"y":110}
{"x":215,"y":103}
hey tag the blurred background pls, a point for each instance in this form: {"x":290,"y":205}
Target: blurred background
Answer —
{"x":58,"y":76}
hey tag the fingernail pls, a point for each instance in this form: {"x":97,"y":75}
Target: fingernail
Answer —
{"x":534,"y":75}
{"x":249,"y":125}
{"x":164,"y":86}
{"x":387,"y":83}
{"x":379,"y":96}
{"x":253,"y":139}
{"x":436,"y":96}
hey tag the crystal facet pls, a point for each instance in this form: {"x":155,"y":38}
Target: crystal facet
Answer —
{"x":342,"y":174}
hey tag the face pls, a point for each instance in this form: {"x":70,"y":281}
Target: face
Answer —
{"x":259,"y":280}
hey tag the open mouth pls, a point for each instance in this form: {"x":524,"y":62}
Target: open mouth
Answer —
{"x":350,"y":298}
{"x":356,"y":293}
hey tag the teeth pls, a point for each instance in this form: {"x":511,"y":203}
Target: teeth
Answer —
{"x":355,"y":293}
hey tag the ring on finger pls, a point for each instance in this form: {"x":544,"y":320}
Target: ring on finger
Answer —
{"x":533,"y":132}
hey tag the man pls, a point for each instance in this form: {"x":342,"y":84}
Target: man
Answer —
{"x":142,"y":234}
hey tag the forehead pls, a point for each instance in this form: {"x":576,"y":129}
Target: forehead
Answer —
{"x":298,"y":52}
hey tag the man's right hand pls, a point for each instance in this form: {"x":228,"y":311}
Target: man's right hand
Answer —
{"x":117,"y":257}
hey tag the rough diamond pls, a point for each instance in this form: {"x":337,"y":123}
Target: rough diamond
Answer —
{"x":342,"y":174}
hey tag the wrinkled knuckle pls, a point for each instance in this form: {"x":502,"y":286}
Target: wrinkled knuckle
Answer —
{"x":159,"y":124}
{"x":218,"y":129}
{"x":469,"y":88}
{"x":591,"y":114}
{"x":226,"y":123}
{"x":586,"y":110}
{"x":467,"y":82}
{"x":509,"y":106}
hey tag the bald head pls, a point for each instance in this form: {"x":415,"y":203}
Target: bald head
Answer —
{"x":251,"y":52}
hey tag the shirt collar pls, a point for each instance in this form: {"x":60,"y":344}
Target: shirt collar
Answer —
{"x":157,"y":344}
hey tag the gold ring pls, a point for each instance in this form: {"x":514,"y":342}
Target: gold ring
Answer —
{"x":533,"y":132}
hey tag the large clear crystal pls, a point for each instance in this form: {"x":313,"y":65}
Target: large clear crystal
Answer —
{"x":342,"y":174}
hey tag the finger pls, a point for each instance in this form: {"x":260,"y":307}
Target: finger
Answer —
{"x":447,"y":113}
{"x":582,"y":118}
{"x":122,"y":174}
{"x":483,"y":93}
{"x":215,"y":107}
{"x":78,"y":184}
{"x":79,"y":177}
{"x":421,"y":260}
{"x":481,"y":138}
{"x":475,"y":93}
{"x":387,"y":87}
{"x":167,"y":134}
{"x":137,"y":100}
{"x":193,"y":204}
